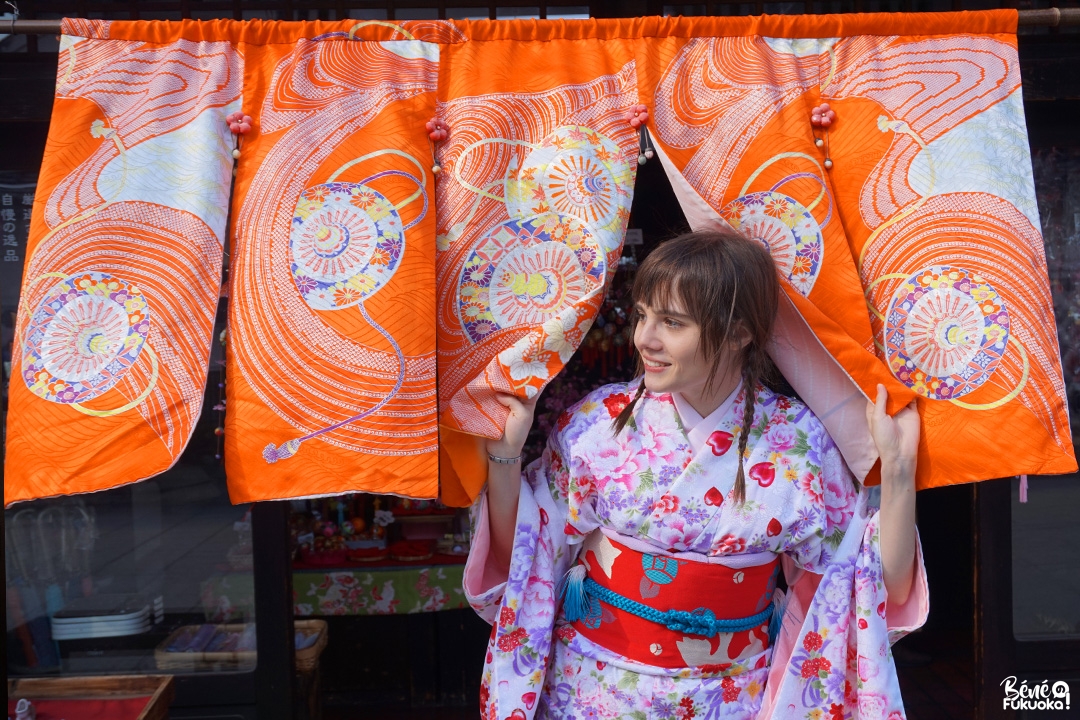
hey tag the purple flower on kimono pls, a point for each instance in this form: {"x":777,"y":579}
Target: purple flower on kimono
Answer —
{"x":818,"y":440}
{"x":663,"y":708}
{"x":669,"y":473}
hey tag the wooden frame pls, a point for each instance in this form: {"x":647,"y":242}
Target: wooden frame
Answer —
{"x":160,"y":688}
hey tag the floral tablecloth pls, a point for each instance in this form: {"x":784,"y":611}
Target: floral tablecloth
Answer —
{"x":364,"y":591}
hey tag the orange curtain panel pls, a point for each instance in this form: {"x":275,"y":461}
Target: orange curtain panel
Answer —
{"x":905,"y":226}
{"x":533,"y":201}
{"x":386,"y":283}
{"x":124,"y":263}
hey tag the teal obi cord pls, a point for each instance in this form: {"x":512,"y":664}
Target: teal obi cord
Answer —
{"x":582,"y":596}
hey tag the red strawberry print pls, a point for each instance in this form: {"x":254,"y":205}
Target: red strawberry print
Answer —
{"x":763,"y":473}
{"x":615,"y":403}
{"x":714,"y":497}
{"x":812,"y":641}
{"x":863,"y":624}
{"x":774,"y":528}
{"x":730,"y":690}
{"x":719,"y":442}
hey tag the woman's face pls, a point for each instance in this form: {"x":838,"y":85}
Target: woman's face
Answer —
{"x":669,"y":342}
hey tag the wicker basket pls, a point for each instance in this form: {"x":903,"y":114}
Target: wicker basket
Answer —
{"x":197,"y":661}
{"x":308,"y":658}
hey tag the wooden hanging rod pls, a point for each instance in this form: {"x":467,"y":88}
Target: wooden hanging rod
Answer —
{"x":1048,"y":17}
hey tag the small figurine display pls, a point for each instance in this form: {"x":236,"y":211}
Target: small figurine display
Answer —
{"x":357,"y":528}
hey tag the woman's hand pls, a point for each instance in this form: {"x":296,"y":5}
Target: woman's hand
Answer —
{"x":518,"y":424}
{"x":897,"y":441}
{"x":896,"y":437}
{"x":504,"y":479}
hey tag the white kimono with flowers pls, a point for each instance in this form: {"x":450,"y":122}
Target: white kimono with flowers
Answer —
{"x":649,"y":488}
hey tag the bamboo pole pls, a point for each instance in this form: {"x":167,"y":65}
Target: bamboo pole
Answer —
{"x":1048,"y":17}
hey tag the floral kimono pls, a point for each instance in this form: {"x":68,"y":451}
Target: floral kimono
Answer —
{"x":666,"y":490}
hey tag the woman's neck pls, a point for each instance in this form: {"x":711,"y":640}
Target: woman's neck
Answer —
{"x":705,"y":403}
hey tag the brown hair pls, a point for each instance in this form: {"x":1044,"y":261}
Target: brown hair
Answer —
{"x":728,"y":285}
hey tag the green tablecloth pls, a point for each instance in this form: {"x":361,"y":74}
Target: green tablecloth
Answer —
{"x":379,"y":592}
{"x":375,"y":591}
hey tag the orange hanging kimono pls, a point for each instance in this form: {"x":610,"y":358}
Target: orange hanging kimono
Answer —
{"x":124,"y":264}
{"x":376,"y":307}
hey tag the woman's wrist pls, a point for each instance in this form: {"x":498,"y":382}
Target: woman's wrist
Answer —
{"x":502,"y":450}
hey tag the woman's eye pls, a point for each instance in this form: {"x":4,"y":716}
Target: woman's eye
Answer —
{"x":672,"y":322}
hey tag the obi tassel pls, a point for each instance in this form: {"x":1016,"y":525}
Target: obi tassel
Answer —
{"x":777,"y":618}
{"x":572,"y":590}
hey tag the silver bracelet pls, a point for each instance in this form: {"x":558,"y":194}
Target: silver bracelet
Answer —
{"x":503,"y":461}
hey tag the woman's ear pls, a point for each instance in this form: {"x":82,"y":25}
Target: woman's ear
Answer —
{"x":740,"y":336}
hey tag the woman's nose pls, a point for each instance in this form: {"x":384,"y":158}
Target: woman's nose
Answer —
{"x":645,"y":336}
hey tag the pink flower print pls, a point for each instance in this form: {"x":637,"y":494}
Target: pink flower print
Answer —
{"x":837,"y":494}
{"x":810,"y":483}
{"x":666,"y":504}
{"x":868,"y":669}
{"x":872,"y":706}
{"x":728,"y":545}
{"x":781,"y":437}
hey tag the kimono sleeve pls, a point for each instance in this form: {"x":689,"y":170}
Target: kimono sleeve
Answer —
{"x":522,"y":607}
{"x":833,"y":654}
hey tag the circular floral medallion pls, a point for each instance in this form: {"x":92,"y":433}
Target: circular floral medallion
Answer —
{"x":786,"y":228}
{"x":346,"y":242}
{"x":576,"y":171}
{"x":945,"y":332}
{"x":85,"y":334}
{"x":526,"y":271}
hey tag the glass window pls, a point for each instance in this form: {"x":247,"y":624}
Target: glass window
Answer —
{"x":1046,"y":557}
{"x":121,"y":581}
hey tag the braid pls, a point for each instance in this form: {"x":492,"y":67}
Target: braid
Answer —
{"x":750,"y":398}
{"x":624,"y":415}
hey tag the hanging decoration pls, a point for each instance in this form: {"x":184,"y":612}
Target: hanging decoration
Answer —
{"x":380,"y":299}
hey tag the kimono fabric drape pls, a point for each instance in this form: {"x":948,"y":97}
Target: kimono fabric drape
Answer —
{"x":375,"y":307}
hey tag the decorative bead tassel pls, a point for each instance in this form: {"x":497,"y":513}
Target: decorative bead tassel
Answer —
{"x":575,"y":603}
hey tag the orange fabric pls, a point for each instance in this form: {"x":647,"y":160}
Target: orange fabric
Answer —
{"x":533,"y":202}
{"x":350,"y":294}
{"x":124,"y":264}
{"x":914,"y":262}
{"x":331,"y":372}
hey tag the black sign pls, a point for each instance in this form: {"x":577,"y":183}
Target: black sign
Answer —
{"x":16,"y":204}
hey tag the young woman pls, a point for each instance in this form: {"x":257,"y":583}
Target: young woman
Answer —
{"x":630,"y":571}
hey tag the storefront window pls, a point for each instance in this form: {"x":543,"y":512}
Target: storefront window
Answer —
{"x":1046,"y":557}
{"x":122,"y":581}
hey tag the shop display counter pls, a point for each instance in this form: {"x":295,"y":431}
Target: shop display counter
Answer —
{"x":114,"y":697}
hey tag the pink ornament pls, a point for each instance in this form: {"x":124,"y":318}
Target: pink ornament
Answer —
{"x":822,"y":116}
{"x":239,"y":123}
{"x":437,"y":130}
{"x":637,"y":115}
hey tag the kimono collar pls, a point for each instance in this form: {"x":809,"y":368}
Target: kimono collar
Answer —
{"x":698,"y":428}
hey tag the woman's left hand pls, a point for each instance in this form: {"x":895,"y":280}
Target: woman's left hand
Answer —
{"x":896,"y":437}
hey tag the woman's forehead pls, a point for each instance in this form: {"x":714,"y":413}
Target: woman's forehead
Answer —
{"x":662,"y":302}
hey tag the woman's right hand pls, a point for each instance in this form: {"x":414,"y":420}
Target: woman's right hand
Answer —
{"x":518,"y":424}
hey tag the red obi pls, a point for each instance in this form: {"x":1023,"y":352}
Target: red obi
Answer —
{"x":666,"y":583}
